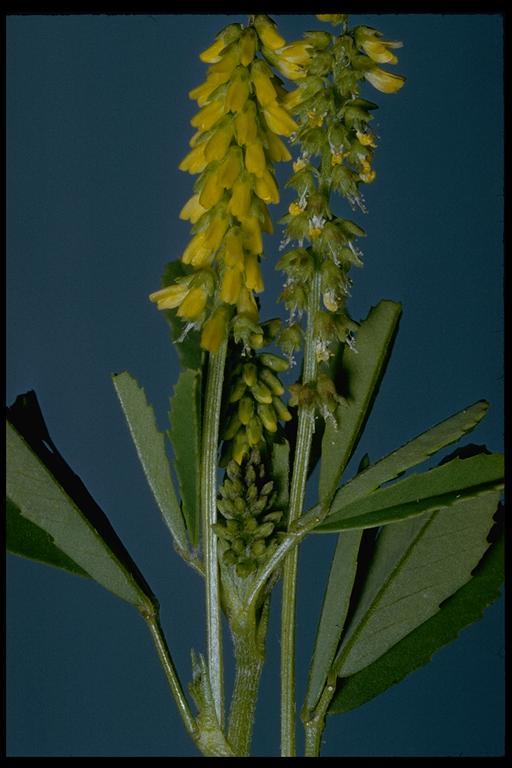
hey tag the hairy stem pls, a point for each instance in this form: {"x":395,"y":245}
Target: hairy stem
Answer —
{"x":170,"y":672}
{"x":314,"y":725}
{"x":305,"y":431}
{"x":249,"y":663}
{"x":210,"y":441}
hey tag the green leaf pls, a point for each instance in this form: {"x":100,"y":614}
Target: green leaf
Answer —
{"x":25,"y":539}
{"x":188,"y":349}
{"x":416,"y":565}
{"x":281,"y":474}
{"x":463,"y":608}
{"x":82,"y":534}
{"x":412,"y":453}
{"x":334,"y":612}
{"x":362,"y":371}
{"x":150,"y":445}
{"x":185,"y":435}
{"x":440,"y":487}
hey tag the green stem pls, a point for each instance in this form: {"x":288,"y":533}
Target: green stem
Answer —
{"x":314,"y":725}
{"x":305,"y":431}
{"x":210,"y":442}
{"x":249,"y":664}
{"x":170,"y":672}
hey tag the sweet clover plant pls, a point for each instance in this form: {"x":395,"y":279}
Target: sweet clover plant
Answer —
{"x":265,"y":408}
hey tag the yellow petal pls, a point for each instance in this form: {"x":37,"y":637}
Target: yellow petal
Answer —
{"x":215,"y":330}
{"x":192,"y":210}
{"x":213,"y":53}
{"x":193,"y":304}
{"x":278,"y":120}
{"x":251,"y":233}
{"x":212,"y":190}
{"x":253,"y":277}
{"x":246,"y":127}
{"x":231,"y":285}
{"x":255,"y":160}
{"x":260,"y":76}
{"x":268,"y":33}
{"x":241,"y":196}
{"x":247,"y":47}
{"x":384,"y":81}
{"x":209,"y":115}
{"x":230,"y":168}
{"x":297,"y":53}
{"x":237,"y":95}
{"x":266,"y":188}
{"x":195,"y":247}
{"x":195,"y":161}
{"x":246,"y":305}
{"x":169,"y":297}
{"x":378,"y":52}
{"x":233,"y":248}
{"x":218,"y":144}
{"x":276,"y":149}
{"x":202,"y":92}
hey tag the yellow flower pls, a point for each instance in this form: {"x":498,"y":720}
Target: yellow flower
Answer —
{"x":227,"y":63}
{"x":192,"y":210}
{"x":246,"y":127}
{"x":203,"y":246}
{"x":171,"y":296}
{"x":268,"y":33}
{"x":213,"y":53}
{"x":366,"y":139}
{"x":209,"y":115}
{"x":251,"y":232}
{"x":293,"y":99}
{"x":237,"y":94}
{"x":218,"y":144}
{"x":384,"y":81}
{"x":260,"y":76}
{"x":202,"y":93}
{"x":369,"y":40}
{"x":231,"y":285}
{"x":278,"y":120}
{"x":299,"y":164}
{"x":192,"y":306}
{"x":297,"y":52}
{"x":315,"y":119}
{"x":246,"y":305}
{"x":266,"y":188}
{"x":247,"y":46}
{"x":212,"y":190}
{"x":233,"y":249}
{"x":241,"y":196}
{"x":231,"y":167}
{"x":195,"y":161}
{"x":255,"y":160}
{"x":277,"y":151}
{"x":215,"y":329}
{"x":337,"y":158}
{"x":253,"y":277}
{"x":295,"y":208}
{"x":367,"y":174}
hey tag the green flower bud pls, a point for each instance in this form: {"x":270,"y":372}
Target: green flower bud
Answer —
{"x":258,"y":548}
{"x":250,"y":525}
{"x":273,"y":517}
{"x":245,"y":409}
{"x":320,"y":64}
{"x":261,"y":392}
{"x":238,"y":546}
{"x":264,"y":530}
{"x":272,"y":382}
{"x":283,"y":414}
{"x":221,"y":531}
{"x":250,"y":374}
{"x":318,"y":39}
{"x":254,"y":431}
{"x":237,"y":390}
{"x":232,"y":428}
{"x":268,"y":417}
{"x":267,"y":488}
{"x":290,"y":339}
{"x":229,"y":557}
{"x":245,"y":568}
{"x":274,"y":362}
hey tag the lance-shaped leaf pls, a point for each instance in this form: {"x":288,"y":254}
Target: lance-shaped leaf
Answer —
{"x":417,"y":565}
{"x":334,"y":612}
{"x":441,"y":487}
{"x":150,"y":445}
{"x":412,"y":453}
{"x":184,"y":417}
{"x":25,"y":539}
{"x":362,"y":371}
{"x":463,"y":608}
{"x":186,"y":341}
{"x":75,"y":525}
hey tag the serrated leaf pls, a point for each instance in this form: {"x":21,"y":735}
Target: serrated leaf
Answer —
{"x":187,"y":346}
{"x":440,"y":487}
{"x":281,"y":474}
{"x":82,"y":534}
{"x":150,"y":445}
{"x":412,"y":453}
{"x":184,"y":417}
{"x":463,"y":608}
{"x":362,"y":372}
{"x":417,"y":564}
{"x":26,"y":539}
{"x":334,"y":612}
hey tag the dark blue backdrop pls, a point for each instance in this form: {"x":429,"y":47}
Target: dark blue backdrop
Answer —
{"x":97,"y":122}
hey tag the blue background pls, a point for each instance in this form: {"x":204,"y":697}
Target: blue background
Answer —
{"x":97,"y":123}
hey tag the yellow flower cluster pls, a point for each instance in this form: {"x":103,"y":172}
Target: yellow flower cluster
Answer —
{"x":237,"y":140}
